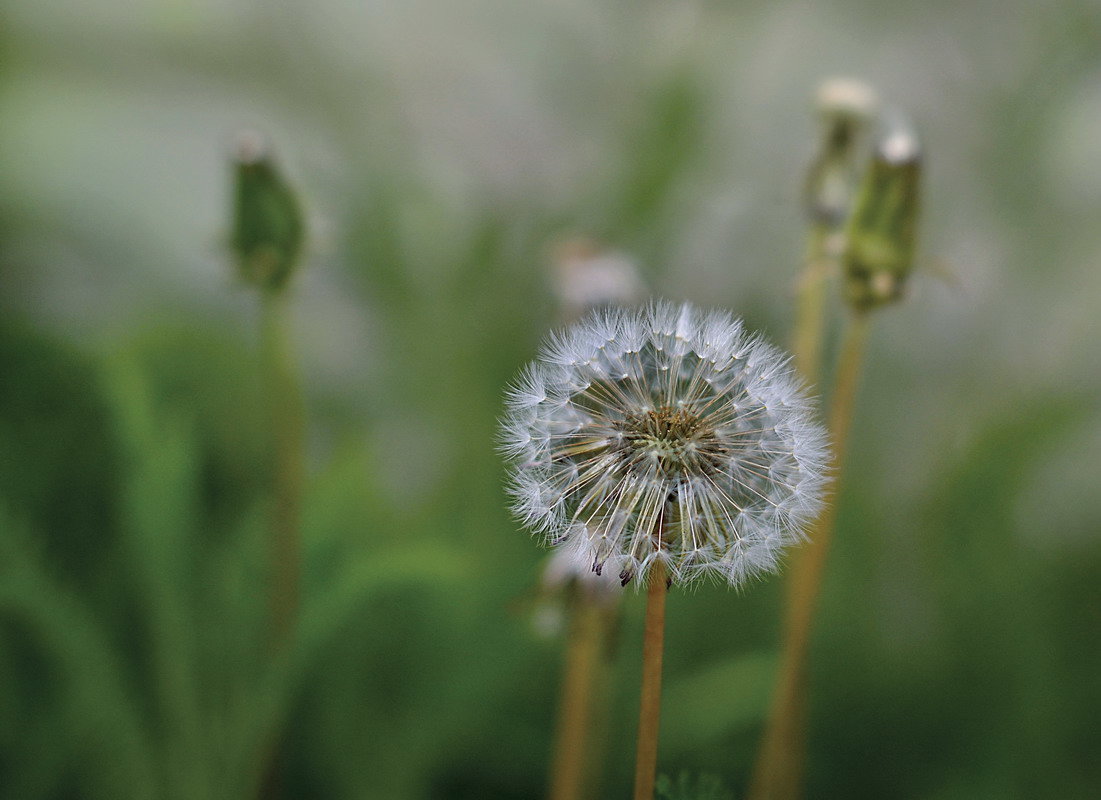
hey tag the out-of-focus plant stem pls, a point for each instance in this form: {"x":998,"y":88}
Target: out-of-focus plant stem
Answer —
{"x":810,"y":304}
{"x":287,"y":419}
{"x":778,"y":774}
{"x":584,"y":673}
{"x":653,"y":642}
{"x":288,"y":429}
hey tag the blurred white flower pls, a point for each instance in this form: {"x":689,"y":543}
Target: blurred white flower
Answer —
{"x":846,"y":97}
{"x":588,"y":276}
{"x":664,"y":433}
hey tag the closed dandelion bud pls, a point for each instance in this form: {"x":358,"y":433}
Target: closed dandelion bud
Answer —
{"x":268,"y":230}
{"x":879,"y":251}
{"x":846,"y":107}
{"x":667,"y":434}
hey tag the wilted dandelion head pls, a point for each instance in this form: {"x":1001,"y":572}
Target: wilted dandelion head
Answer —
{"x":664,"y":433}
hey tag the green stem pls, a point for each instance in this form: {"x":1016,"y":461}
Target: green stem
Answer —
{"x":810,"y":304}
{"x":778,"y":774}
{"x":287,"y":417}
{"x":646,"y":760}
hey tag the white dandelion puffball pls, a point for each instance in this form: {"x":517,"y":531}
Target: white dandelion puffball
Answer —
{"x":664,"y":433}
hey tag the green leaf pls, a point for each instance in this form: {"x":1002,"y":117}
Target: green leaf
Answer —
{"x":97,"y":720}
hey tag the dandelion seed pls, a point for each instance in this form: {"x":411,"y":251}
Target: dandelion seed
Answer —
{"x":664,"y":434}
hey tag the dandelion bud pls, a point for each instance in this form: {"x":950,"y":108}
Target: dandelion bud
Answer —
{"x":267,"y":221}
{"x":879,"y":253}
{"x":846,"y":107}
{"x":588,"y":276}
{"x":666,"y":434}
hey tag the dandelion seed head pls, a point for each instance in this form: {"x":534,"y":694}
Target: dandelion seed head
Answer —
{"x":663,"y":433}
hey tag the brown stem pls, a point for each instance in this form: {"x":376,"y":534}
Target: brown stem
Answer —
{"x":778,"y":774}
{"x":584,"y":659}
{"x":646,"y":761}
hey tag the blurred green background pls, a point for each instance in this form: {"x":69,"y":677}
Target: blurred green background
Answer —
{"x":441,"y":150}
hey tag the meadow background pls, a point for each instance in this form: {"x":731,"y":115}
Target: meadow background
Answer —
{"x":441,"y":150}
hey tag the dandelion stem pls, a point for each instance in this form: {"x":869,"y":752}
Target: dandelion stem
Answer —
{"x":843,"y":402}
{"x":646,"y":761}
{"x":584,"y":666}
{"x":778,"y":774}
{"x":811,"y":304}
{"x":287,"y":418}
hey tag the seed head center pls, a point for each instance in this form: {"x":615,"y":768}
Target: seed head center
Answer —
{"x":669,"y":435}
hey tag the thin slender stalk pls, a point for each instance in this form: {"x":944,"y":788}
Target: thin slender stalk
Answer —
{"x":778,"y":774}
{"x":287,"y":419}
{"x":584,"y":663}
{"x":810,"y":302}
{"x":646,"y":761}
{"x":849,"y":363}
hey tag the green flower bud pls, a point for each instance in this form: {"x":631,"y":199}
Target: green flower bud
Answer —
{"x":879,"y":249}
{"x":268,"y":230}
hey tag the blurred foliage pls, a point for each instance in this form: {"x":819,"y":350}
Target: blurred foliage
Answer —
{"x":687,"y":787}
{"x":959,"y":637}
